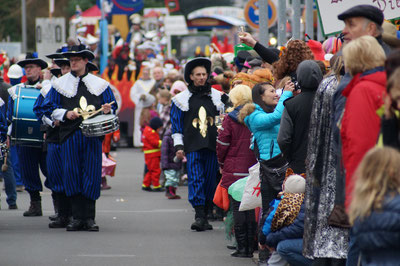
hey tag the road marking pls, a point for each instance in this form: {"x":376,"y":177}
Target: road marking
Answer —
{"x":144,"y":211}
{"x":106,"y":255}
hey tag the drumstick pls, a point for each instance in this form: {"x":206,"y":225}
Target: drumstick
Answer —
{"x":98,"y":111}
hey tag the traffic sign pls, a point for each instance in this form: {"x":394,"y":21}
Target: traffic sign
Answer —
{"x":251,"y":13}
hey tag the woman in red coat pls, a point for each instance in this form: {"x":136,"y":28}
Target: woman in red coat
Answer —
{"x":364,"y":58}
{"x":235,"y":158}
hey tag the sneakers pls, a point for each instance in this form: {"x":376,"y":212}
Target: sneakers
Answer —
{"x":19,"y":188}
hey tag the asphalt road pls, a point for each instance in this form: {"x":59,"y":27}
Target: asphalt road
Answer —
{"x":136,"y":228}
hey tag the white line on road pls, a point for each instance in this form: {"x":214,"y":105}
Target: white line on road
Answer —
{"x":106,"y":255}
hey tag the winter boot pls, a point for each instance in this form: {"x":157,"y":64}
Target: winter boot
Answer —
{"x":251,"y":238}
{"x":241,"y":239}
{"x":54,"y":196}
{"x":64,"y":212}
{"x":90,"y":214}
{"x":104,"y":185}
{"x":199,"y":224}
{"x":173,"y":193}
{"x":78,"y":208}
{"x":35,"y":209}
{"x":209,"y":206}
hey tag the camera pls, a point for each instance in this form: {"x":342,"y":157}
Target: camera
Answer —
{"x":295,"y":82}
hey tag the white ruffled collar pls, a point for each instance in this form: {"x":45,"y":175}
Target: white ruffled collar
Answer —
{"x":13,"y":90}
{"x":1,"y":102}
{"x":46,"y":86}
{"x":67,"y":85}
{"x":182,"y":100}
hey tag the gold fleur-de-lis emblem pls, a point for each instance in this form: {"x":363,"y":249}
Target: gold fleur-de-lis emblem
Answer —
{"x":203,"y":121}
{"x":85,"y":110}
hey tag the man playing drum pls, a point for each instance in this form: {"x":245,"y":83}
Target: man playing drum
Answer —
{"x":30,"y":158}
{"x":72,"y":98}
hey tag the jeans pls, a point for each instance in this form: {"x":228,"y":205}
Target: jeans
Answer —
{"x":15,"y":165}
{"x":291,"y":251}
{"x":9,"y":183}
{"x":354,"y":252}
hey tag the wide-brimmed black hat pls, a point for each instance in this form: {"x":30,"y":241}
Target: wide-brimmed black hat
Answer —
{"x":366,"y":11}
{"x":61,"y":61}
{"x":79,"y":50}
{"x":92,"y":66}
{"x":58,"y":53}
{"x":32,"y":58}
{"x":56,"y":72}
{"x":199,"y":61}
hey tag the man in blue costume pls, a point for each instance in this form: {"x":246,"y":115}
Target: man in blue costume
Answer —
{"x":30,"y":158}
{"x":194,"y":133}
{"x":71,"y":97}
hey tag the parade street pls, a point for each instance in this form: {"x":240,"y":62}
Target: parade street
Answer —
{"x":136,"y":228}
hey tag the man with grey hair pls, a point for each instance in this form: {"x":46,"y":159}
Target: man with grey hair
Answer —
{"x":363,"y":20}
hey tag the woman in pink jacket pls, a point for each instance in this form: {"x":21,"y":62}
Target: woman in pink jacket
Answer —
{"x":235,"y":158}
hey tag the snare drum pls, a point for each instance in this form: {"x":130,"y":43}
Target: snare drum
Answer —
{"x":100,"y":125}
{"x":26,"y":127}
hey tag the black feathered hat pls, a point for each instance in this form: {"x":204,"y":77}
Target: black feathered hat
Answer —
{"x":79,"y":50}
{"x":198,"y":61}
{"x":32,"y":58}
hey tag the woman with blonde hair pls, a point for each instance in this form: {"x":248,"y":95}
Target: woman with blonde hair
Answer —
{"x":364,"y":58}
{"x":235,"y":158}
{"x":375,"y":208}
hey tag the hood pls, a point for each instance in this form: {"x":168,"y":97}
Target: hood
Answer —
{"x":309,"y":75}
{"x":235,"y":114}
{"x":376,"y":75}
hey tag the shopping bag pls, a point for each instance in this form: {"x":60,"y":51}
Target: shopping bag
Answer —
{"x":252,"y":192}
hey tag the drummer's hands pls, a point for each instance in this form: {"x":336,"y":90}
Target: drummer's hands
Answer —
{"x":106,"y":108}
{"x":72,"y":115}
{"x":56,"y":123}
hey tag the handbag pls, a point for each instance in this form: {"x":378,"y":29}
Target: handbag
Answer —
{"x":273,"y":170}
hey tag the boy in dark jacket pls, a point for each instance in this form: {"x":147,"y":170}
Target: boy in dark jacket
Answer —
{"x":169,"y":166}
{"x":152,"y":153}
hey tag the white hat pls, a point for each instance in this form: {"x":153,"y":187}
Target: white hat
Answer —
{"x":295,"y":184}
{"x":15,"y":72}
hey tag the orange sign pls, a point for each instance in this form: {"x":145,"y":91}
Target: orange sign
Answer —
{"x":251,"y":13}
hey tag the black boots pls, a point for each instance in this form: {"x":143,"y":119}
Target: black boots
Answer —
{"x":245,"y":238}
{"x":201,"y":223}
{"x":64,"y":211}
{"x":35,"y":209}
{"x":83,"y":212}
{"x":54,"y":196}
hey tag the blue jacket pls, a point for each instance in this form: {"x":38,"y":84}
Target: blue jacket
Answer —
{"x":293,"y":231}
{"x":265,"y":127}
{"x":378,"y":235}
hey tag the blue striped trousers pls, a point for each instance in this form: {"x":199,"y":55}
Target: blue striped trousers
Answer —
{"x":30,"y":158}
{"x":82,"y":161}
{"x":54,"y":167}
{"x":202,"y":167}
